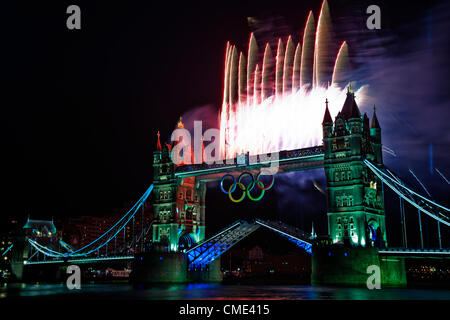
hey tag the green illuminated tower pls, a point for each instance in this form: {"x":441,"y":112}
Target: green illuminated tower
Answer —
{"x":354,"y":194}
{"x":165,"y":228}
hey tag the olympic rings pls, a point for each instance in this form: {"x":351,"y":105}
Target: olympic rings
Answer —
{"x":252,"y":184}
{"x":261,"y":186}
{"x":233,"y":185}
{"x":270,"y":184}
{"x":246,"y":189}
{"x":243,"y":192}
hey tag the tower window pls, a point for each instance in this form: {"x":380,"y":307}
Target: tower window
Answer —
{"x":344,"y":201}
{"x":346,"y":144}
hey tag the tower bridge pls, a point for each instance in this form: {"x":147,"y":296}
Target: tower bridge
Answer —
{"x":354,"y":192}
{"x":351,"y":156}
{"x":285,"y":90}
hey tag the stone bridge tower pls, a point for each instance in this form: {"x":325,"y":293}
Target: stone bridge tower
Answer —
{"x":179,"y":205}
{"x":354,"y":194}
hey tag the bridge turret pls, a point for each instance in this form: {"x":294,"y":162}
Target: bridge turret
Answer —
{"x":353,"y":195}
{"x":179,"y":204}
{"x":327,"y":122}
{"x":375,"y":134}
{"x":351,"y":114}
{"x":157,"y":157}
{"x":164,"y":191}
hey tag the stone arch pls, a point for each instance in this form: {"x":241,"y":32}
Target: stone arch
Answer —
{"x":374,"y":233}
{"x":185,"y":241}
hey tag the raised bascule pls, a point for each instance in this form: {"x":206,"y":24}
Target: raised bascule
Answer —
{"x":285,"y":105}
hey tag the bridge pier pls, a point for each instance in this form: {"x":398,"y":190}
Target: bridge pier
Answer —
{"x":17,"y":270}
{"x":171,"y":268}
{"x":393,"y":271}
{"x":212,"y":274}
{"x":347,"y":266}
{"x":159,"y":268}
{"x":18,"y":255}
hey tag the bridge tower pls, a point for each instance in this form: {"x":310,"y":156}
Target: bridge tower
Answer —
{"x":165,"y":228}
{"x":354,"y":194}
{"x":179,"y":205}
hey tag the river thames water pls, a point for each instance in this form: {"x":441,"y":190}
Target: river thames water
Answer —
{"x":215,"y":292}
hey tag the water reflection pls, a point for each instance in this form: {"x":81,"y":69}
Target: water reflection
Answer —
{"x":216,"y":291}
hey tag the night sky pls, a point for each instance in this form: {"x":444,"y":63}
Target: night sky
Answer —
{"x":81,"y":108}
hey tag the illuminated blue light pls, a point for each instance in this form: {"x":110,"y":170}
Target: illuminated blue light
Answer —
{"x":48,"y":252}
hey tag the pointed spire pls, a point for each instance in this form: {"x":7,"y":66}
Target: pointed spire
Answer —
{"x":375,"y":124}
{"x":158,"y":143}
{"x":350,"y":108}
{"x":366,"y":121}
{"x":327,"y":117}
{"x":180,"y":123}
